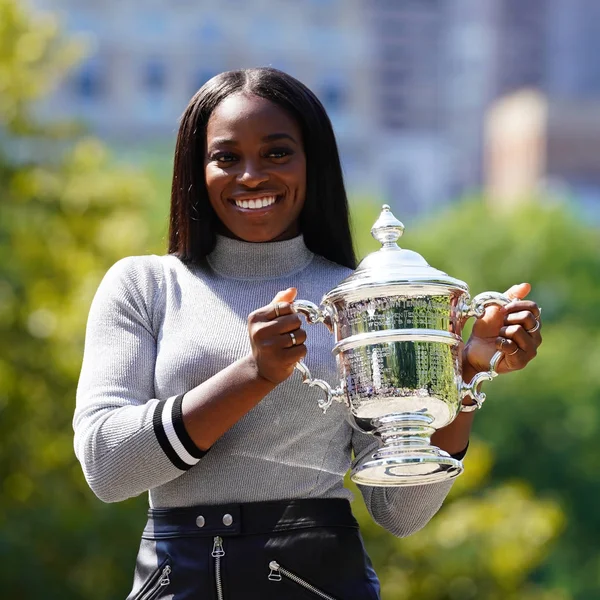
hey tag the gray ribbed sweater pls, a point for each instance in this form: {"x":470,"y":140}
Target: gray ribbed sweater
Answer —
{"x":158,"y":328}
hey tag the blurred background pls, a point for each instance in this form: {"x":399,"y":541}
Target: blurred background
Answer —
{"x":477,"y":120}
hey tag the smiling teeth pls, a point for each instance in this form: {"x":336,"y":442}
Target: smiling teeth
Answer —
{"x":256,"y":202}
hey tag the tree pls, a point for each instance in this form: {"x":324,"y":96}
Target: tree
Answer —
{"x":484,"y":543}
{"x":66,"y":214}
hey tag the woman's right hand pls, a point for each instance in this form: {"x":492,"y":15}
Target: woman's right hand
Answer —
{"x":277,"y":338}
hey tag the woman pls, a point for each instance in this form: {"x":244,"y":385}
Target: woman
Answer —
{"x":186,"y":388}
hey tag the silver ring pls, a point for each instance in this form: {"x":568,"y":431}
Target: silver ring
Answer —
{"x":277,"y":309}
{"x":293,"y":338}
{"x":511,"y":354}
{"x":533,"y":329}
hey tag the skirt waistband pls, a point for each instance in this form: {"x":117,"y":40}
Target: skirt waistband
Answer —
{"x":248,"y":518}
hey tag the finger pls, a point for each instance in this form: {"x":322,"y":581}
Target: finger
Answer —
{"x":281,"y":304}
{"x":278,"y":307}
{"x":270,"y":331}
{"x":528,"y":322}
{"x":291,"y":353}
{"x":293,"y":338}
{"x":295,"y":353}
{"x":520,"y":305}
{"x":519,"y":291}
{"x":516,"y":333}
{"x":506,"y":346}
{"x":288,"y":295}
{"x":524,"y":318}
{"x":271,"y":312}
{"x":523,"y":305}
{"x":286,"y":323}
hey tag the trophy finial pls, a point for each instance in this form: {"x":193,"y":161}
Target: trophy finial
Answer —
{"x":387,"y":229}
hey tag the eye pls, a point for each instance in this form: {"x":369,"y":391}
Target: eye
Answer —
{"x":223,"y":157}
{"x":279,"y":153}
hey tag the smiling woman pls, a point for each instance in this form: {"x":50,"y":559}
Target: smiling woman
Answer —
{"x":258,"y":123}
{"x":186,"y":390}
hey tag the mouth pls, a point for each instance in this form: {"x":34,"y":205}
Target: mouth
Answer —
{"x":256,"y":203}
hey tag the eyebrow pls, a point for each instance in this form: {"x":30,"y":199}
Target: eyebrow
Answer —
{"x":272,"y":137}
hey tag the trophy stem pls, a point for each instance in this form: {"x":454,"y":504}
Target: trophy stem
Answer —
{"x":406,"y":456}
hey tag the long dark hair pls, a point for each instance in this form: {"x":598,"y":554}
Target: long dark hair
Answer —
{"x":324,"y":220}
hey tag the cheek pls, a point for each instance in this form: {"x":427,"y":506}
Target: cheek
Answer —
{"x":296,"y":176}
{"x":215,"y":181}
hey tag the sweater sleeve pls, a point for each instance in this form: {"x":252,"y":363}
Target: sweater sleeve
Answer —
{"x":400,"y":510}
{"x":126,"y":440}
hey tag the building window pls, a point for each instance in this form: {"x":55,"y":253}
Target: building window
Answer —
{"x":332,"y":93}
{"x":155,"y":77}
{"x":210,"y":31}
{"x":88,"y":82}
{"x":333,"y":97}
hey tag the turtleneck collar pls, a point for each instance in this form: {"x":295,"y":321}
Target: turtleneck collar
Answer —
{"x":246,"y":260}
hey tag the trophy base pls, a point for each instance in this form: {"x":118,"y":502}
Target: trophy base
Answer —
{"x":406,"y":457}
{"x":406,"y":470}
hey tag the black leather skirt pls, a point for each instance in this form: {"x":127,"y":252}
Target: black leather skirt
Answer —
{"x":299,"y":549}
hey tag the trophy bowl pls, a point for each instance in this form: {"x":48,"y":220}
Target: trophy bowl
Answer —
{"x":397,"y":324}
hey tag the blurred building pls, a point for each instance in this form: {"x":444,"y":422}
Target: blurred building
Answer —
{"x":407,"y":78}
{"x":439,"y":67}
{"x":407,"y":83}
{"x":150,"y":57}
{"x":573,"y":48}
{"x":535,"y":145}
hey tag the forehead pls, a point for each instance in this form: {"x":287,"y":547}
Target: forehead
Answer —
{"x":242,"y":116}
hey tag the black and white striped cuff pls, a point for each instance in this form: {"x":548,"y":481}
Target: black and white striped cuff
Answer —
{"x":172,"y":436}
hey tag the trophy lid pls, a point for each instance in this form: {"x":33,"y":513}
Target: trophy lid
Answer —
{"x":392,"y":270}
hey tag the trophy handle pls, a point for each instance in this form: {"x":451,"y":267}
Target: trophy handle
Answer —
{"x":476,"y":308}
{"x":315,"y":315}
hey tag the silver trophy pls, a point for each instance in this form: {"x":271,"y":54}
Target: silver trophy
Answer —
{"x":397,"y":324}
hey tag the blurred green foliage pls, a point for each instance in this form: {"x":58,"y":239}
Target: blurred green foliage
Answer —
{"x":68,"y":211}
{"x":66,"y":214}
{"x":483,"y":544}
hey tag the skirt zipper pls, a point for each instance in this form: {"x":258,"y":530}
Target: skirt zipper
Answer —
{"x":277,"y":571}
{"x":162,"y":582}
{"x":217,"y":553}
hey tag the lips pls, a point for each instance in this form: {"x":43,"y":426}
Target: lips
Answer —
{"x":256,"y":202}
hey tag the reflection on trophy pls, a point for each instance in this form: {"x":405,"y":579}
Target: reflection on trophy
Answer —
{"x":397,"y":324}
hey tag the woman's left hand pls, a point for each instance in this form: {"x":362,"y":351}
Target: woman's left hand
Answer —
{"x":514,"y":329}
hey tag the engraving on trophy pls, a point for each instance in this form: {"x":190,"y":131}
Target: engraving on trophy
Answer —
{"x":401,"y":377}
{"x":378,"y":314}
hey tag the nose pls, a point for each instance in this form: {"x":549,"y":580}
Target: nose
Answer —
{"x":251,"y":175}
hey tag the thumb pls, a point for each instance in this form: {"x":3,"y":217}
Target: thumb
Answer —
{"x":288,"y":295}
{"x":519,"y":291}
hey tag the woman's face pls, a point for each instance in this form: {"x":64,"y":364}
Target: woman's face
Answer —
{"x":255,"y":169}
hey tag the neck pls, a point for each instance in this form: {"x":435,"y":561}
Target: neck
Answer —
{"x":246,"y":260}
